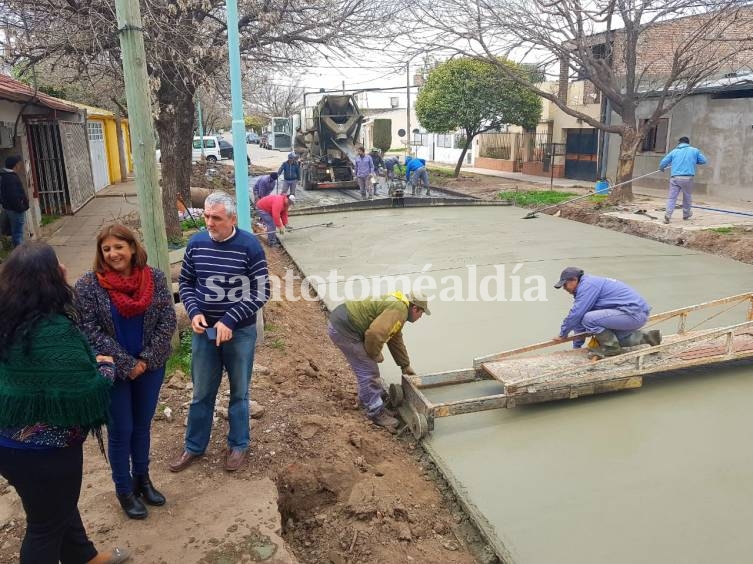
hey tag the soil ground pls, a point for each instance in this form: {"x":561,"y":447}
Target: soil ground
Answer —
{"x":348,"y":492}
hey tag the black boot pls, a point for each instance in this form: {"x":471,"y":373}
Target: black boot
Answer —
{"x":608,"y":345}
{"x":143,"y":486}
{"x":132,"y":506}
{"x":652,"y":338}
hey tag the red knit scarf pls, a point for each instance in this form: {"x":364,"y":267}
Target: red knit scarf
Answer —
{"x":131,"y":295}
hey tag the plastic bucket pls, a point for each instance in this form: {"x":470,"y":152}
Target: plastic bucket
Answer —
{"x":602,"y":187}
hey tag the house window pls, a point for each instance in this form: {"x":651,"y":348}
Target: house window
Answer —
{"x":394,"y":102}
{"x":446,"y":141}
{"x":421,"y":139}
{"x":656,"y":138}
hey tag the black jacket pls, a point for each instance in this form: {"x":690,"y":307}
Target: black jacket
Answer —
{"x":12,"y":193}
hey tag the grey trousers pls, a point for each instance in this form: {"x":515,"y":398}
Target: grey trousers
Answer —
{"x":679,"y":184}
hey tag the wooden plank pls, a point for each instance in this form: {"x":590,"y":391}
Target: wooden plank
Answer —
{"x":477,"y":362}
{"x":449,"y":378}
{"x":705,"y":305}
{"x":574,"y":391}
{"x":473,"y":405}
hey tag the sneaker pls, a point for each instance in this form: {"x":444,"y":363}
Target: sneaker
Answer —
{"x":382,"y":419}
{"x":688,"y":217}
{"x":666,"y":220}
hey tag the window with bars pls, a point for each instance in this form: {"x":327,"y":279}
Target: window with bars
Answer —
{"x":656,"y":138}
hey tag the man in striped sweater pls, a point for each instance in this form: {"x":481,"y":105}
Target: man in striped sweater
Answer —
{"x":223,"y":284}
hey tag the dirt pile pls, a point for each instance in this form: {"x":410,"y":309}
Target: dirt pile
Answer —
{"x":735,"y":243}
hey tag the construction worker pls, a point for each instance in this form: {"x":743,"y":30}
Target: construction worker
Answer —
{"x":360,"y":330}
{"x":363,"y":168}
{"x":273,"y":211}
{"x":607,"y":308}
{"x":389,"y":164}
{"x":291,"y":174}
{"x":265,"y":185}
{"x":683,"y":160}
{"x":415,"y":172}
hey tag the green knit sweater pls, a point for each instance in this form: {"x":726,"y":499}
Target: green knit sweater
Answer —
{"x":56,"y":381}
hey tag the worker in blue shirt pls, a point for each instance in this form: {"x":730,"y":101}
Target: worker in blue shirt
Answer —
{"x":683,"y":160}
{"x":415,"y":172}
{"x":608,"y":309}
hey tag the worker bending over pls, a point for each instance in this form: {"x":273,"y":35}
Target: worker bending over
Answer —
{"x":273,"y":211}
{"x":607,"y":308}
{"x":361,"y":328}
{"x":416,"y":174}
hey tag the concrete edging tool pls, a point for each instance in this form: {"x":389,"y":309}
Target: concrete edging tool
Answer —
{"x":532,"y":214}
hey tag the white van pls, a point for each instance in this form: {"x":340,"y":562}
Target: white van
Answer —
{"x":211,"y":149}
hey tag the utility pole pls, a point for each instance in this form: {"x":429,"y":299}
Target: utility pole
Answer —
{"x":239,"y":125}
{"x":142,"y":132}
{"x":407,"y":111}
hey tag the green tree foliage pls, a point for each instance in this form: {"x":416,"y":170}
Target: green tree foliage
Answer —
{"x":256,"y":122}
{"x":382,"y":134}
{"x":474,"y":96}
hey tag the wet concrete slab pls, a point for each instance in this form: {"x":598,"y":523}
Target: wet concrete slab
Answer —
{"x":659,"y":474}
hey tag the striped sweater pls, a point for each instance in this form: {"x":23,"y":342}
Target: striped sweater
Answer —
{"x":226,"y":281}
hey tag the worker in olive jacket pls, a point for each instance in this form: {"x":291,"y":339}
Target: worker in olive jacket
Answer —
{"x":361,"y":328}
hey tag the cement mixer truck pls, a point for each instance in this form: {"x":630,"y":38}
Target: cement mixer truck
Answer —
{"x":327,"y":141}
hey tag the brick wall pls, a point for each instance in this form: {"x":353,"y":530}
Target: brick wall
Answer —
{"x":657,"y":47}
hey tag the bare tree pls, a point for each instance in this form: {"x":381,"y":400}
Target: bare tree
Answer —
{"x":186,"y":44}
{"x":629,"y":50}
{"x":271,"y":98}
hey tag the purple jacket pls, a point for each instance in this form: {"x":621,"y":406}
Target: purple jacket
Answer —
{"x":364,"y":166}
{"x":594,"y":293}
{"x":264,"y":186}
{"x":93,"y":304}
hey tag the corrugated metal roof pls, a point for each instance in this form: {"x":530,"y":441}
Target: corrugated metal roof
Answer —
{"x":15,"y":91}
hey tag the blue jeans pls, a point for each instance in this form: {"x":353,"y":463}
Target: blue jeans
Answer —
{"x":237,"y":357}
{"x":132,"y":405}
{"x":270,"y":226}
{"x":420,"y":175}
{"x":17,"y":222}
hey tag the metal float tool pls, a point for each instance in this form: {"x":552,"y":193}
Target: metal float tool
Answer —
{"x":532,"y":214}
{"x":569,"y":374}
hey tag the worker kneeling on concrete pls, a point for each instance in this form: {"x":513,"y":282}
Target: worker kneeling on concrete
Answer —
{"x":607,"y":308}
{"x":361,"y":328}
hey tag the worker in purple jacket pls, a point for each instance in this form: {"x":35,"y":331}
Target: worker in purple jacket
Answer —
{"x":265,"y":185}
{"x":364,"y":168}
{"x":608,"y":309}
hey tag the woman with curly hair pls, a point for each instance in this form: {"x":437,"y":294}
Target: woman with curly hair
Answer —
{"x":53,"y":393}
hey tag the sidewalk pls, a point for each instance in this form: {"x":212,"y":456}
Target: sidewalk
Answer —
{"x":651,"y":199}
{"x":75,"y":237}
{"x":520,"y":177}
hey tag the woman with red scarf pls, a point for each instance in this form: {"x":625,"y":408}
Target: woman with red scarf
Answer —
{"x":127,"y":312}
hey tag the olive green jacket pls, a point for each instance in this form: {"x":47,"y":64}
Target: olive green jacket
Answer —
{"x":379,"y":321}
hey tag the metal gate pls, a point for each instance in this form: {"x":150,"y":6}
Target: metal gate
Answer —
{"x":61,"y":166}
{"x":78,"y":166}
{"x":580,"y":161}
{"x":100,"y":172}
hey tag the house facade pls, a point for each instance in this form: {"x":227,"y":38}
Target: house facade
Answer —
{"x":51,"y":137}
{"x":718,"y":119}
